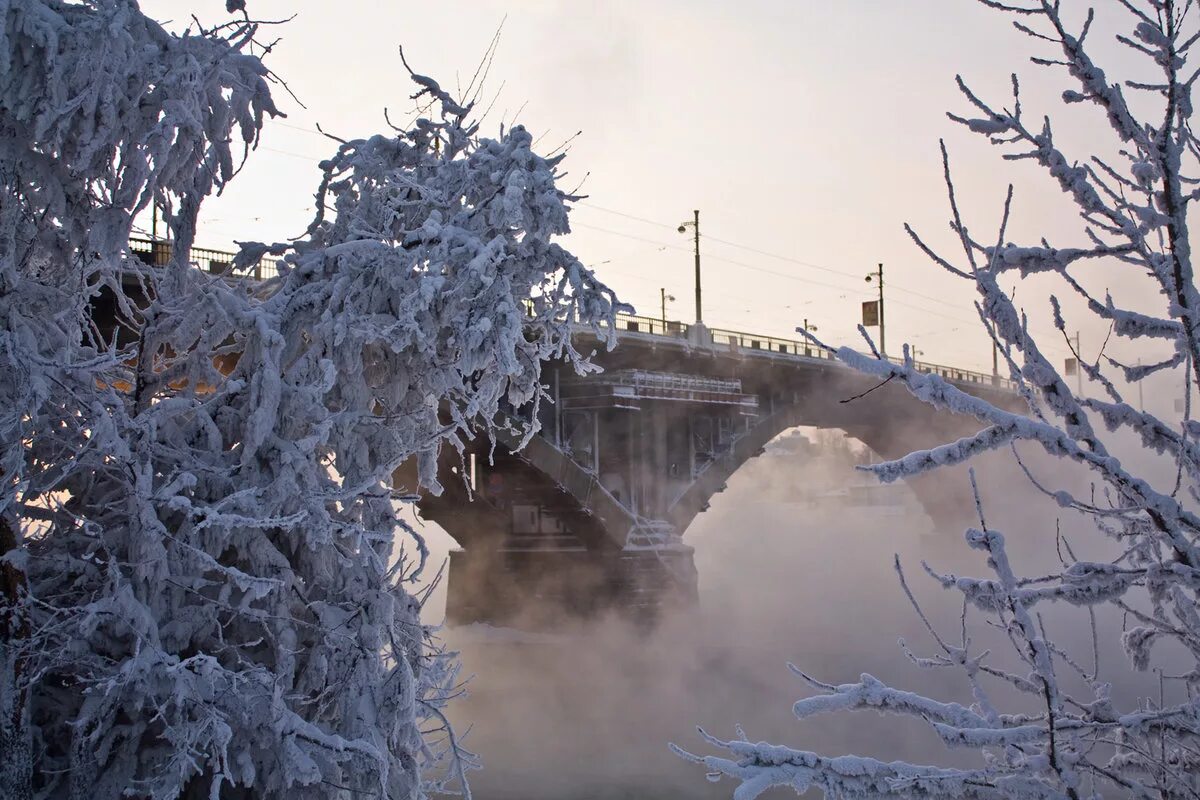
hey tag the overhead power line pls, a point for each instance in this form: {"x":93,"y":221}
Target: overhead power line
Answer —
{"x":971,"y":320}
{"x":768,"y":254}
{"x":786,"y":275}
{"x":853,"y":277}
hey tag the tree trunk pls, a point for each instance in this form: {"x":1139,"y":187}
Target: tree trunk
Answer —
{"x":16,"y":763}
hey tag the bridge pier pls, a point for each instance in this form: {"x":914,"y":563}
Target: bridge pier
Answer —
{"x":588,"y":518}
{"x":577,"y":523}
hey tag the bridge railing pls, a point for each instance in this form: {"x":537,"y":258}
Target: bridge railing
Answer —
{"x":635,"y":323}
{"x":964,"y":375}
{"x":157,"y":252}
{"x":757,"y":341}
{"x":753,"y":341}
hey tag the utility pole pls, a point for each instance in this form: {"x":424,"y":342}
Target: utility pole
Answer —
{"x":1141,"y":400}
{"x":1078,"y":366}
{"x":873,"y":276}
{"x":995,"y":362}
{"x":695,"y":223}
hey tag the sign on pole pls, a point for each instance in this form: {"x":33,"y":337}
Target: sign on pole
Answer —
{"x":1070,"y":366}
{"x":870,"y":313}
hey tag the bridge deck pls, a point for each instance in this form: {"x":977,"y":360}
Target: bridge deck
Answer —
{"x":649,"y":329}
{"x":628,"y":325}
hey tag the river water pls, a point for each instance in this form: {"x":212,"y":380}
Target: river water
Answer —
{"x":588,"y":714}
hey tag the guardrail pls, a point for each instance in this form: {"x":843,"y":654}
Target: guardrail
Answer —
{"x":755,"y":341}
{"x":634,"y":323}
{"x":794,"y":347}
{"x":158,"y":253}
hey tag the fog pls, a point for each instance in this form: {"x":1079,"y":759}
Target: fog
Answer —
{"x":788,"y":572}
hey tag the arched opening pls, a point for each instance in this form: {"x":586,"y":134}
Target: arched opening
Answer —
{"x":800,"y":527}
{"x":814,"y":468}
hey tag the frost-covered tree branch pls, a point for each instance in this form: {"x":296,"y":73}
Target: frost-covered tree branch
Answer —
{"x":202,"y":588}
{"x":1072,"y":737}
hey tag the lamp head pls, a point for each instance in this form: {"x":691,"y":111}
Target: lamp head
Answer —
{"x":869,"y":277}
{"x":683,"y":228}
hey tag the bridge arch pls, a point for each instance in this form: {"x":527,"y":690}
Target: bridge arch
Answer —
{"x":628,"y":458}
{"x":549,"y":536}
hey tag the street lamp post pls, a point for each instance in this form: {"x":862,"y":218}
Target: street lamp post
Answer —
{"x":1078,"y":366}
{"x":695,"y":223}
{"x":1141,"y":399}
{"x":665,"y":297}
{"x":878,"y":276}
{"x":809,"y":329}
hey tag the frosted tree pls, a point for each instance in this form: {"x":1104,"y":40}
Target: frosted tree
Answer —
{"x":103,"y":113}
{"x":1073,"y":736}
{"x":204,"y":573}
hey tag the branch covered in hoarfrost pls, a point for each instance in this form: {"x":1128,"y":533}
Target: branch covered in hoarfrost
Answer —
{"x":1081,"y":739}
{"x":197,"y":469}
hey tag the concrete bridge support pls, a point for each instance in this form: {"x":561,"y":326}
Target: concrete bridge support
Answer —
{"x":589,"y":517}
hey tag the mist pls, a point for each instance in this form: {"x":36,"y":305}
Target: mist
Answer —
{"x":791,"y":570}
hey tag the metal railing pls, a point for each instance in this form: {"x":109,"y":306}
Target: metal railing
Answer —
{"x":757,"y":341}
{"x":963,"y":375}
{"x":644,"y":381}
{"x":635,"y":323}
{"x":157,"y":252}
{"x":741,"y":340}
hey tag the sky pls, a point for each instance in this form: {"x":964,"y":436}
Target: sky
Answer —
{"x":805,"y":132}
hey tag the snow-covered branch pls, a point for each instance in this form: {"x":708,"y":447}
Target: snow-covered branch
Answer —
{"x":1076,"y":739}
{"x":200,"y":536}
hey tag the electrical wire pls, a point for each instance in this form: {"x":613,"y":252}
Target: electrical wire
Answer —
{"x":768,"y":254}
{"x":854,"y":287}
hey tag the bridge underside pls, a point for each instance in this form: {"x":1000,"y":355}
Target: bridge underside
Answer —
{"x":588,"y":518}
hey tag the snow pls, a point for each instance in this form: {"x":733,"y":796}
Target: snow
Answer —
{"x":200,"y":507}
{"x":1071,"y":740}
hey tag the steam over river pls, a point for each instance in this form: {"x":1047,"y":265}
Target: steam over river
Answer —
{"x":589,"y":714}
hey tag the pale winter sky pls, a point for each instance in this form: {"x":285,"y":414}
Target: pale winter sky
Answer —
{"x":805,"y":132}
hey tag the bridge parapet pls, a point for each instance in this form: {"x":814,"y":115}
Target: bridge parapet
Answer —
{"x":763,"y":345}
{"x":158,"y":253}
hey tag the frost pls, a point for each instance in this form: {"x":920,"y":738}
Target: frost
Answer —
{"x":201,"y":594}
{"x":1070,"y":739}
